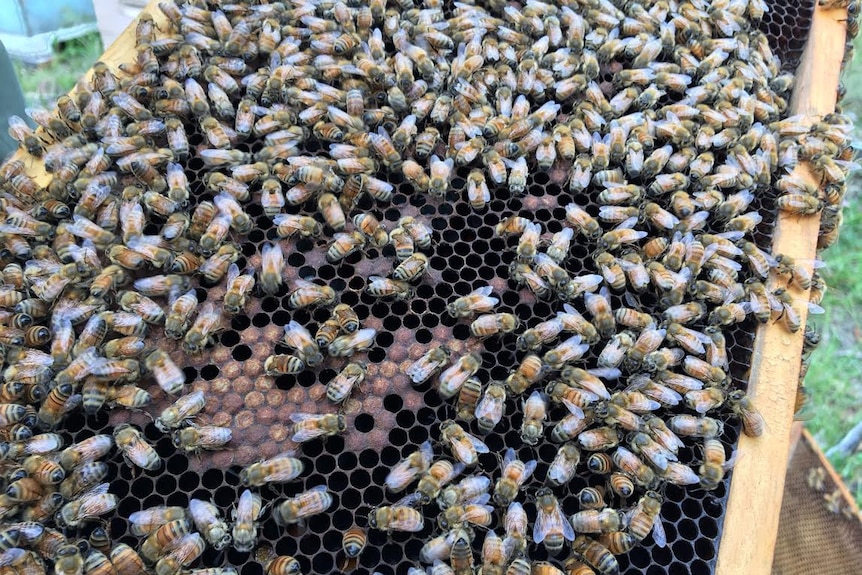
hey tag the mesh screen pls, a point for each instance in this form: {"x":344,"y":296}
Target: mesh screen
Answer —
{"x":812,"y":535}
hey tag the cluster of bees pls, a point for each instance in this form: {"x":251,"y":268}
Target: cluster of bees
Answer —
{"x":667,"y":124}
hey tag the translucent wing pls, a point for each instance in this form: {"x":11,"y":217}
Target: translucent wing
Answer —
{"x":568,"y":530}
{"x":232,"y":273}
{"x":508,"y":457}
{"x":542,"y":527}
{"x":478,"y":444}
{"x":463,"y":451}
{"x":529,"y":468}
{"x":658,"y":534}
{"x":306,"y":434}
{"x":574,"y":409}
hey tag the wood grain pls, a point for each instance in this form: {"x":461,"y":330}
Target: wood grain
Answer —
{"x":757,"y":485}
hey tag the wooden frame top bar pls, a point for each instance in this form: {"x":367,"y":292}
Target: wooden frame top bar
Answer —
{"x":757,"y":481}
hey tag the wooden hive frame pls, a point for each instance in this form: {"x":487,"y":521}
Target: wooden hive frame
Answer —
{"x":751,"y":521}
{"x":757,"y":485}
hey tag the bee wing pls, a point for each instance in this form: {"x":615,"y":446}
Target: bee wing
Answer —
{"x":606,"y":372}
{"x":427,"y":453}
{"x":299,"y":417}
{"x":658,"y":534}
{"x":201,"y":511}
{"x":482,"y":291}
{"x":461,"y":450}
{"x":485,"y":408}
{"x":574,"y":409}
{"x":400,"y":476}
{"x":410,"y":500}
{"x":478,"y":444}
{"x":306,"y":435}
{"x":813,"y":308}
{"x":480,"y":499}
{"x":12,"y":556}
{"x":529,"y":468}
{"x":232,"y":272}
{"x":407,"y":524}
{"x":541,"y":527}
{"x":417,"y":370}
{"x":188,"y":548}
{"x":508,"y":457}
{"x":568,"y":530}
{"x":98,"y":505}
{"x":305,"y":284}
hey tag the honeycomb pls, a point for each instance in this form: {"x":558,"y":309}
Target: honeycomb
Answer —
{"x":786,"y":24}
{"x":388,"y":418}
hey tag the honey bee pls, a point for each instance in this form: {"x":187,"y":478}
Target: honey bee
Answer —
{"x":478,"y":193}
{"x":299,"y":339}
{"x":276,"y":564}
{"x":205,"y":325}
{"x":410,"y":468}
{"x":495,"y":554}
{"x":238,"y":288}
{"x":167,"y":374}
{"x":477,"y":301}
{"x":86,"y":451}
{"x":135,"y":449}
{"x":296,"y":509}
{"x":535,"y":412}
{"x":692,"y":426}
{"x":206,"y":518}
{"x":125,"y":560}
{"x":288,"y":225}
{"x":418,"y":230}
{"x":178,"y":318}
{"x":551,"y":527}
{"x":195,"y":438}
{"x":330,"y":209}
{"x":402,"y":242}
{"x":308,"y":426}
{"x":308,"y":294}
{"x":562,"y":468}
{"x":569,"y":350}
{"x":245,"y":516}
{"x":272,"y":264}
{"x":465,"y":447}
{"x":597,"y":521}
{"x":354,"y":541}
{"x":474,"y":512}
{"x":515,"y":473}
{"x":89,"y":506}
{"x":43,"y":470}
{"x":344,"y":245}
{"x":347,"y":345}
{"x":396,"y":518}
{"x":82,"y":478}
{"x":596,"y":555}
{"x":493,"y":324}
{"x":182,"y":553}
{"x":491,"y":407}
{"x":451,"y":380}
{"x":22,"y":133}
{"x":469,"y":489}
{"x":741,"y":404}
{"x":339,"y":388}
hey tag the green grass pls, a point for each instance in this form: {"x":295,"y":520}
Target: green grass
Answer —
{"x":42,"y":84}
{"x":835,"y":376}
